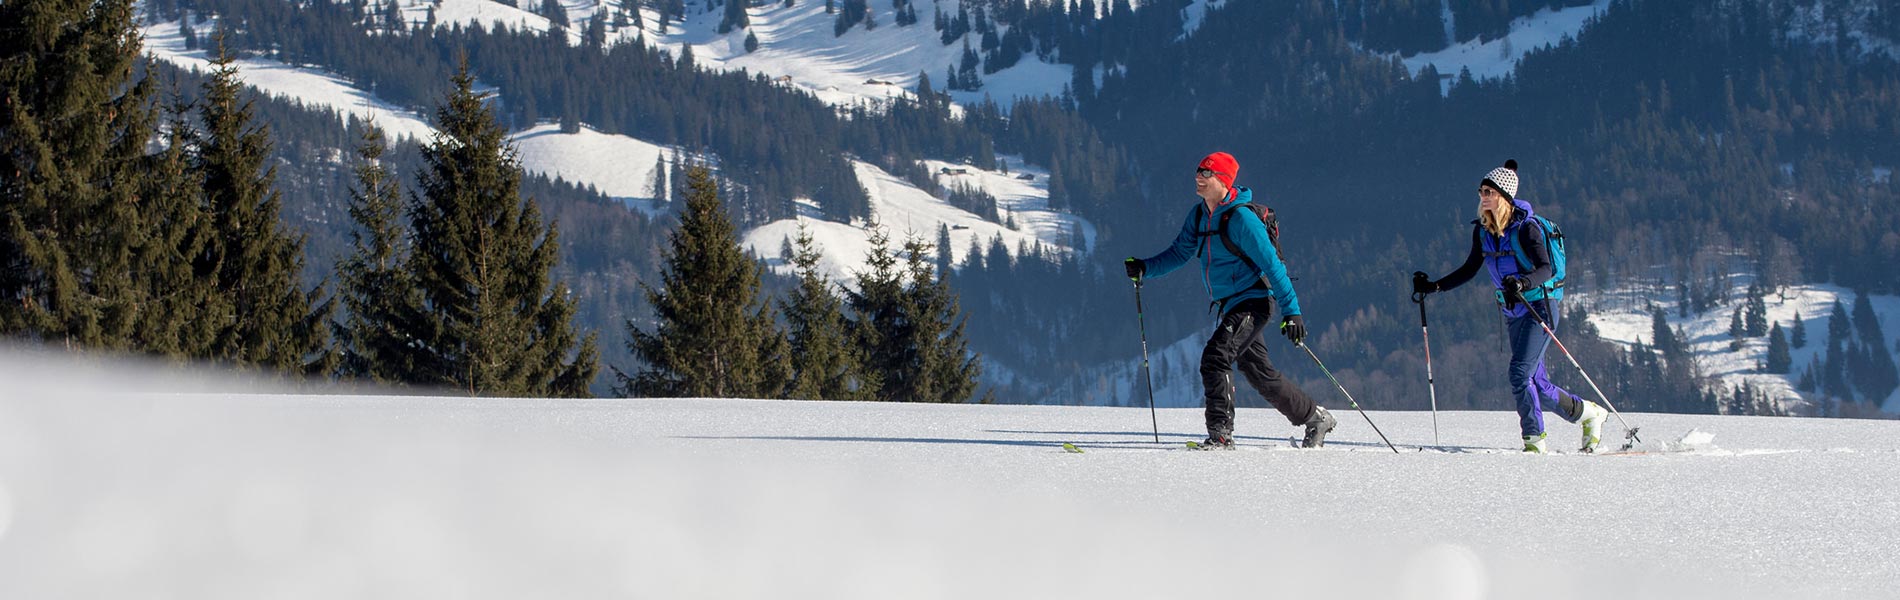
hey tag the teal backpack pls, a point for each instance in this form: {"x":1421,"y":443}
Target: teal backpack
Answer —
{"x":1553,"y":239}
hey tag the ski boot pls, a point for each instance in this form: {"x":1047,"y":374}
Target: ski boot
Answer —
{"x":1534,"y":444}
{"x":1214,"y":441}
{"x":1592,"y":422}
{"x":1317,"y":426}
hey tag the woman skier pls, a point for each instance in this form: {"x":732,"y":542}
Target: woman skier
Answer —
{"x":1515,"y":246}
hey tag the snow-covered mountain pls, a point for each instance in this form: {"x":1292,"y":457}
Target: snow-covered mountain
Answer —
{"x":903,"y":210}
{"x":1622,"y":316}
{"x":797,"y":41}
{"x":117,"y":481}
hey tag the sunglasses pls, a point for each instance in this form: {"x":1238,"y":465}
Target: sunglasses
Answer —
{"x":1205,"y":173}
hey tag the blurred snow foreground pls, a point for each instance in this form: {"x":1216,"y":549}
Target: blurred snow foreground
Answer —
{"x":123,"y":480}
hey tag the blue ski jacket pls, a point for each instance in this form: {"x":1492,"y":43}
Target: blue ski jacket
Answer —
{"x":1227,"y":278}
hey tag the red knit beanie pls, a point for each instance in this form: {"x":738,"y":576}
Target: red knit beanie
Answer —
{"x":1223,"y":165}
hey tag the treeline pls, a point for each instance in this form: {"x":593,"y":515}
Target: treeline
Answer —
{"x":128,"y":235}
{"x":897,"y":337}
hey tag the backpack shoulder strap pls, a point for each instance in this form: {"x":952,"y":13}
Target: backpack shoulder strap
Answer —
{"x":1228,"y":241}
{"x":1517,"y":244}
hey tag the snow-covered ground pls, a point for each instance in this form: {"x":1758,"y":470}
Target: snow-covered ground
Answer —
{"x":904,"y":210}
{"x":312,"y":87}
{"x":1619,"y":316}
{"x":120,"y":482}
{"x":1498,"y":57}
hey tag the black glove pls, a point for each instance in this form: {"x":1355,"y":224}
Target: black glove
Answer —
{"x":1294,"y":328}
{"x":1135,"y":268}
{"x":1515,"y":285}
{"x":1422,"y":284}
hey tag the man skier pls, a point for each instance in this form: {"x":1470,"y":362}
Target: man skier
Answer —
{"x":1244,"y":286}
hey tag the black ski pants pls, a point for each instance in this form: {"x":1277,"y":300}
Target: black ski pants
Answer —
{"x":1238,"y":337}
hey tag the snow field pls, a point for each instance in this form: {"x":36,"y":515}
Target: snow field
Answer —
{"x":127,"y":480}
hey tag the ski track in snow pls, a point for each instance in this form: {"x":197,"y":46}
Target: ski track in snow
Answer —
{"x":122,"y":480}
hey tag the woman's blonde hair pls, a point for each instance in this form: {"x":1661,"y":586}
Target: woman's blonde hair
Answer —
{"x":1494,"y":221}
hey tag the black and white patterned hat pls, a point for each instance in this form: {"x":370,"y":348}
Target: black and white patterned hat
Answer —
{"x":1504,"y":179}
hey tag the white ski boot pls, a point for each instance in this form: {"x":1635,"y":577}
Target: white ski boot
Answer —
{"x":1592,"y":422}
{"x":1534,"y":444}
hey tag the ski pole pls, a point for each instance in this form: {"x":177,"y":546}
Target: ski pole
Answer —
{"x":1430,"y":381}
{"x":1342,"y":390}
{"x":1141,"y":324}
{"x":1630,"y":439}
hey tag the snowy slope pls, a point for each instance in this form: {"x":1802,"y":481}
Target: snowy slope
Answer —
{"x":795,"y":42}
{"x":798,"y":42}
{"x":312,"y":87}
{"x":1498,"y":58}
{"x":191,"y":489}
{"x":619,"y":166}
{"x":1620,"y":317}
{"x":904,"y":210}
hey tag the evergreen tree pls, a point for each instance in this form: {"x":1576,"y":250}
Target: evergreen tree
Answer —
{"x":74,"y":122}
{"x":176,"y":321}
{"x":1662,"y":337}
{"x":556,"y":15}
{"x":379,"y":337}
{"x":1779,"y":359}
{"x":716,"y":336}
{"x":656,"y":184}
{"x":496,"y":323}
{"x":1756,"y":313}
{"x":735,"y":17}
{"x":1798,"y":333}
{"x":877,"y":322}
{"x":940,"y":367}
{"x":257,"y":263}
{"x":1807,"y":383}
{"x":1736,"y":331}
{"x":1837,"y":326}
{"x":826,"y":364}
{"x":1866,"y":323}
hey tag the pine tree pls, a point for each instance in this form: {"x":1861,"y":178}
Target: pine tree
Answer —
{"x":257,"y":262}
{"x":1779,"y":359}
{"x":379,"y":338}
{"x":1866,"y":323}
{"x":1663,"y":338}
{"x":1798,"y":332}
{"x":556,"y":15}
{"x":716,"y":336}
{"x":496,"y":323}
{"x":826,"y":364}
{"x":1736,"y":331}
{"x":74,"y":122}
{"x":877,"y":322}
{"x":177,"y":320}
{"x":656,"y":184}
{"x":1837,"y":325}
{"x":940,"y":366}
{"x":1756,"y":313}
{"x":735,"y":17}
